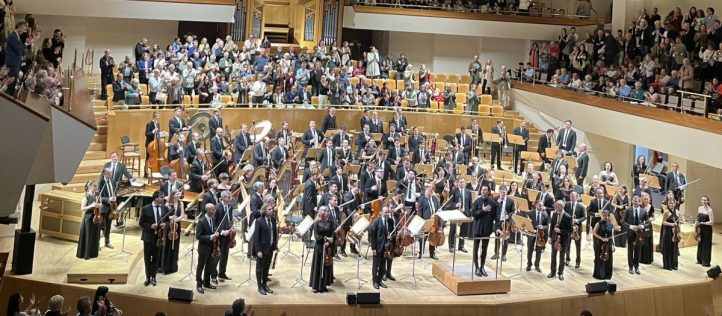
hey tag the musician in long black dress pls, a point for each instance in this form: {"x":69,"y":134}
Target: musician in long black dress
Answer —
{"x":620,"y":202}
{"x":647,"y":255}
{"x":603,"y":253}
{"x":705,"y":220}
{"x":171,"y":249}
{"x":89,"y":237}
{"x":323,"y":230}
{"x":153,"y":221}
{"x":634,"y":221}
{"x":668,"y":244}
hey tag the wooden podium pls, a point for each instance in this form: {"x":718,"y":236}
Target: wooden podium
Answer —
{"x":461,"y":281}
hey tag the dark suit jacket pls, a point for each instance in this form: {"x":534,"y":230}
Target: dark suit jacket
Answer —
{"x":593,"y":207}
{"x":365,"y":121}
{"x":278,"y":156}
{"x":195,"y":175}
{"x":578,"y":212}
{"x":543,"y":145}
{"x":414,"y":142}
{"x":264,"y":237}
{"x":337,"y":140}
{"x":403,"y":185}
{"x":241,"y":143}
{"x":256,"y":203}
{"x":483,"y":224}
{"x":479,"y":133}
{"x":215,"y":123}
{"x":342,"y":183}
{"x":524,"y":134}
{"x":260,"y":157}
{"x":378,"y":234}
{"x":309,"y":198}
{"x":548,"y":201}
{"x":341,"y":154}
{"x":175,"y":127}
{"x":14,"y":50}
{"x":543,"y":220}
{"x":323,"y":156}
{"x":149,"y":135}
{"x":105,"y":193}
{"x":582,"y":166}
{"x":217,"y":149}
{"x":203,"y":235}
{"x":630,"y":219}
{"x":417,"y":157}
{"x":425,"y":206}
{"x":466,"y":142}
{"x":120,"y":171}
{"x":401,"y":173}
{"x":308,"y":137}
{"x":221,"y":220}
{"x":176,"y":151}
{"x":147,"y":219}
{"x":361,"y":140}
{"x":508,"y":207}
{"x":467,"y":202}
{"x":565,"y":226}
{"x":190,"y":152}
{"x":372,"y":194}
{"x":378,"y":127}
{"x":394,"y":156}
{"x":471,"y":169}
{"x":166,"y":185}
{"x":212,"y":198}
{"x":401,"y":124}
{"x":495,"y":130}
{"x":388,"y":139}
{"x":287,"y":136}
{"x":329,"y":122}
{"x":671,"y":184}
{"x":571,"y":142}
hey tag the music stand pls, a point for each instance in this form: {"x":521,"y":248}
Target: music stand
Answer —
{"x":415,"y":227}
{"x":652,"y":181}
{"x":247,"y":155}
{"x":550,"y":152}
{"x":287,"y":214}
{"x":454,"y":217}
{"x":522,"y":203}
{"x":545,"y":176}
{"x":612,"y":190}
{"x":571,"y":162}
{"x":359,"y":227}
{"x":249,"y":235}
{"x":124,"y":255}
{"x":377,"y":138}
{"x":515,"y":140}
{"x":244,"y":205}
{"x":523,"y":224}
{"x":301,"y":230}
{"x":461,"y":169}
{"x":424,"y":169}
{"x":533,"y":195}
{"x":504,"y":176}
{"x":191,"y":274}
{"x":530,"y":156}
{"x":329,"y":133}
{"x":312,"y":153}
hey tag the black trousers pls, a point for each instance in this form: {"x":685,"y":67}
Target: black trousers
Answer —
{"x":220,"y":262}
{"x":389,"y":263}
{"x":495,"y":155}
{"x":517,"y":156}
{"x":634,"y":252}
{"x":532,"y":248}
{"x":106,"y":227}
{"x":105,"y":79}
{"x":378,"y":266}
{"x":452,"y":237}
{"x":422,"y":241}
{"x":479,"y":261}
{"x":558,"y":268}
{"x":262,"y":267}
{"x":204,"y":266}
{"x":504,"y":246}
{"x":577,"y":245}
{"x":150,"y":257}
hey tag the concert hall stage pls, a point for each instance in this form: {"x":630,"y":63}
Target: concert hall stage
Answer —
{"x":654,"y":292}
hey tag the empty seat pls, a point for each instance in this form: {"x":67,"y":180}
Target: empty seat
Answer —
{"x":485,"y":99}
{"x":465,"y":79}
{"x":454,"y":78}
{"x":497,"y":110}
{"x":484,"y":109}
{"x":463,"y":88}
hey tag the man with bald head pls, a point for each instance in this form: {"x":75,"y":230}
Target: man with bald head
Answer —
{"x":206,"y":233}
{"x":106,"y":73}
{"x":582,"y":164}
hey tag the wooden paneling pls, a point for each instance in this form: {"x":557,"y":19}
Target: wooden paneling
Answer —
{"x":475,"y":16}
{"x":691,"y":121}
{"x":277,"y":14}
{"x":60,"y":214}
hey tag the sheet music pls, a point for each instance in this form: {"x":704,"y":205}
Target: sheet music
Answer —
{"x":250,"y":231}
{"x":304,"y":225}
{"x":416,"y":225}
{"x":453,"y":216}
{"x":361,"y":224}
{"x":289,"y":207}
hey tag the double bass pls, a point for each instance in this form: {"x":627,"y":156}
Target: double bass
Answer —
{"x":157,"y":154}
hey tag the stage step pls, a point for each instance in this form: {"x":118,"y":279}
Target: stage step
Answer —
{"x":84,"y":177}
{"x":91,"y":166}
{"x":94,"y":154}
{"x":100,"y":138}
{"x":71,"y":187}
{"x":97,"y":146}
{"x":102,"y":129}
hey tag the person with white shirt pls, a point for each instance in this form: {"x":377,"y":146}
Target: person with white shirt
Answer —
{"x":152,"y":220}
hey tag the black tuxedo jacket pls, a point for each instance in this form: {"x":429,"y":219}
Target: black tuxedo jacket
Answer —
{"x":148,"y":218}
{"x":582,"y":166}
{"x":174,"y":126}
{"x":577,"y":212}
{"x":203,"y":235}
{"x":242,"y":142}
{"x":571,"y":142}
{"x":329,"y":122}
{"x":414,"y":141}
{"x":309,"y":197}
{"x":325,"y":158}
{"x":378,"y":234}
{"x":417,"y":158}
{"x":149,"y":135}
{"x":425,"y":206}
{"x":483,"y":224}
{"x":167,"y":188}
{"x":278,"y":156}
{"x":214,"y":123}
{"x":195,"y":175}
{"x":260,"y":156}
{"x":372,"y":194}
{"x":264,"y":237}
{"x":565,"y":225}
{"x":308,"y":138}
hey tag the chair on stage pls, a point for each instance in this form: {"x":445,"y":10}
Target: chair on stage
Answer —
{"x":130,"y":154}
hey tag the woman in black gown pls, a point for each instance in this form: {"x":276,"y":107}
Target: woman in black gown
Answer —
{"x":171,"y":248}
{"x":89,"y":241}
{"x":321,"y":274}
{"x":564,"y":189}
{"x":620,"y":202}
{"x":647,"y":255}
{"x":705,"y":220}
{"x":669,"y":247}
{"x":603,"y":233}
{"x":639,"y":168}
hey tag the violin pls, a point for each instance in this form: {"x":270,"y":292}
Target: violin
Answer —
{"x":327,"y":254}
{"x":575,"y":228}
{"x":676,"y":232}
{"x":173,"y":231}
{"x":640,"y":236}
{"x":558,"y":241}
{"x":604,"y":256}
{"x":97,"y":216}
{"x":697,"y":231}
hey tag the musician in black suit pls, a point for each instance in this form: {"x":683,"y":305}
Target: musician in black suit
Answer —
{"x":474,"y":167}
{"x":476,"y":130}
{"x":285,"y":133}
{"x":410,"y":188}
{"x":634,"y":221}
{"x":217,"y":146}
{"x":326,"y":197}
{"x":376,"y":186}
{"x":177,"y":150}
{"x":461,"y":199}
{"x":344,"y":153}
{"x":428,"y":206}
{"x":496,"y":148}
{"x":206,"y":233}
{"x":391,"y":137}
{"x":547,"y":197}
{"x":363,"y":138}
{"x":594,"y":210}
{"x":171,"y":185}
{"x":256,"y":201}
{"x":107,"y":196}
{"x":153,"y":221}
{"x":366,"y":119}
{"x":261,"y":155}
{"x":198,"y":172}
{"x":540,"y":221}
{"x":415,"y":140}
{"x":421,"y":155}
{"x":459,"y":157}
{"x":676,"y":182}
{"x":567,"y":138}
{"x":378,"y":237}
{"x":312,"y":167}
{"x":241,"y":143}
{"x":354,"y":200}
{"x":151,"y":129}
{"x":385,"y":166}
{"x":342,"y":135}
{"x":464,"y":140}
{"x":504,"y":212}
{"x":313,"y":137}
{"x":176,"y":124}
{"x":215,"y":122}
{"x":192,"y":147}
{"x":577,"y":211}
{"x":224,"y":221}
{"x":399,"y":121}
{"x":376,"y":125}
{"x":310,"y":191}
{"x":524,"y":133}
{"x":279,"y":154}
{"x":403,"y":169}
{"x":339,"y":179}
{"x":582,"y":164}
{"x":327,"y":156}
{"x":210,"y":195}
{"x":484,"y":211}
{"x":545,"y":141}
{"x":397,"y":152}
{"x":561,"y":227}
{"x":265,"y":242}
{"x":117,"y":170}
{"x":329,"y":122}
{"x":366,"y":174}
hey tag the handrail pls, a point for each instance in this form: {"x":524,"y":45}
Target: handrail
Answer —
{"x":477,"y":10}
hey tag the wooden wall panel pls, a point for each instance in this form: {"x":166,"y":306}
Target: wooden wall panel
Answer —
{"x":668,"y":301}
{"x":277,"y":14}
{"x":698,"y":300}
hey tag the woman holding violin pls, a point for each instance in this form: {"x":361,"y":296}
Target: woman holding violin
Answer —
{"x":703,"y":231}
{"x":647,"y":254}
{"x":89,"y":241}
{"x":671,"y":236}
{"x":322,"y":264}
{"x":620,"y":203}
{"x":603,"y":253}
{"x":169,"y":261}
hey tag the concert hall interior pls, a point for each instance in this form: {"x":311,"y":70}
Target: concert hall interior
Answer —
{"x":360,"y":157}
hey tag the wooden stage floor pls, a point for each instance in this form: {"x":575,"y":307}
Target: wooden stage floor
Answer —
{"x":55,"y":258}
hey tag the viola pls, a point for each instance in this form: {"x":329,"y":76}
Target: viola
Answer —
{"x":97,"y":216}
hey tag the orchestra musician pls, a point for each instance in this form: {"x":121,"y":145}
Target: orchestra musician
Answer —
{"x":634,"y":221}
{"x":639,"y":168}
{"x":211,"y":194}
{"x":488,"y":179}
{"x":335,"y":218}
{"x":151,"y":129}
{"x":399,"y":121}
{"x":474,"y":167}
{"x":384,"y":165}
{"x":352,"y":198}
{"x":260,"y":152}
{"x":705,"y":220}
{"x":107,"y":196}
{"x":117,"y":171}
{"x":428,"y":206}
{"x":524,"y":133}
{"x":366,"y":118}
{"x":376,"y":126}
{"x":580,"y":172}
{"x":326,"y":197}
{"x":215,"y":122}
{"x":496,"y":147}
{"x":265,"y":242}
{"x":421,"y":155}
{"x":620,"y":202}
{"x":171,"y":249}
{"x":546,"y":141}
{"x":547,"y":198}
{"x":197,"y":173}
{"x":378,"y":236}
{"x":310,"y":191}
{"x":176,"y":124}
{"x":461,"y":199}
{"x":89,"y":236}
{"x":603,"y":233}
{"x":206,"y":233}
{"x":594,"y":210}
{"x":312,"y":167}
{"x":607,"y":176}
{"x":484,"y":213}
{"x":416,"y":140}
{"x":323,"y":231}
{"x":217,"y":146}
{"x":225,"y":221}
{"x":647,"y":252}
{"x":344,"y":153}
{"x":561,"y":228}
{"x":338,"y":178}
{"x":280,"y":154}
{"x":676,"y":182}
{"x":327,"y":155}
{"x":153,"y":220}
{"x":329,"y":122}
{"x":540,"y":220}
{"x":340,"y":136}
{"x":312,"y":137}
{"x":668,"y":245}
{"x":376,"y":186}
{"x":177,"y":150}
{"x":192,"y":147}
{"x":578,"y":213}
{"x":567,"y":139}
{"x":363,"y":139}
{"x":504,"y":212}
{"x":390,"y":137}
{"x":596,"y":184}
{"x":397,"y":153}
{"x":411,"y":189}
{"x":241,"y":143}
{"x":285,"y":133}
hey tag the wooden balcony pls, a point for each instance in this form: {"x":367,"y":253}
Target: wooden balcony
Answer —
{"x":217,"y":2}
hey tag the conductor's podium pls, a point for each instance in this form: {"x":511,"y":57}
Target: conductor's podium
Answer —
{"x":462,"y":281}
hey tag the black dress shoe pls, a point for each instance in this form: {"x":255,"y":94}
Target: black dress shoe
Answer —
{"x":478,"y":272}
{"x":631,"y":271}
{"x":268,"y":289}
{"x":390,"y":277}
{"x":261,"y":291}
{"x":385,"y":278}
{"x":463,"y":250}
{"x":561,"y":277}
{"x":314,"y":291}
{"x":152,"y":281}
{"x":636,"y":270}
{"x":381,"y":284}
{"x":376,"y":285}
{"x":224,"y":277}
{"x":210,"y":286}
{"x":494,"y":257}
{"x":343,"y":253}
{"x":267,"y":280}
{"x":483,"y":272}
{"x":528,"y":268}
{"x":200,"y":290}
{"x":503,"y":258}
{"x":214,"y":281}
{"x":433,"y":256}
{"x":147,"y":282}
{"x":576,"y":266}
{"x":551,"y":275}
{"x":419,"y":257}
{"x":537,"y":269}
